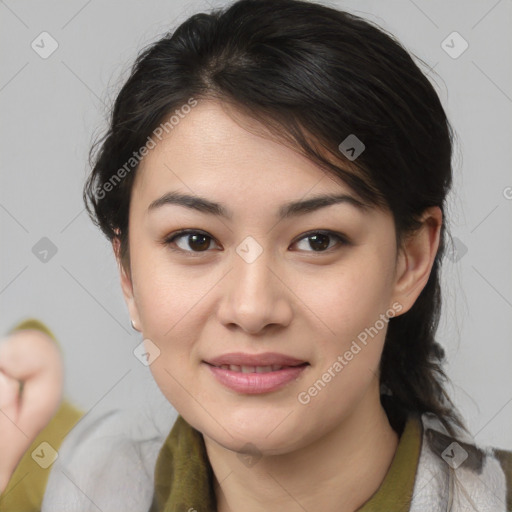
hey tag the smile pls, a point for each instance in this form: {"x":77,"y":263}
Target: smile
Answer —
{"x":251,"y":369}
{"x":256,"y":379}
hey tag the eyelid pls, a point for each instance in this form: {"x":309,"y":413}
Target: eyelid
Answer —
{"x":168,"y":240}
{"x":341,"y":238}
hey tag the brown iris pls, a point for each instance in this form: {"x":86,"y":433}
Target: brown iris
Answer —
{"x":319,"y":241}
{"x":199,"y":242}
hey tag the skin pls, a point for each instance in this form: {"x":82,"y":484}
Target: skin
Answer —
{"x":31,"y":357}
{"x":332,"y":453}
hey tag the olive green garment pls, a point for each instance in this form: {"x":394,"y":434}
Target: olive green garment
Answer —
{"x":25,"y":489}
{"x":184,"y":477}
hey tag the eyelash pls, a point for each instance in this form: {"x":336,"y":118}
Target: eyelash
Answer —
{"x":168,"y":241}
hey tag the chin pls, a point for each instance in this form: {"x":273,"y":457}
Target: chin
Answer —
{"x":257,"y":444}
{"x":245,"y":431}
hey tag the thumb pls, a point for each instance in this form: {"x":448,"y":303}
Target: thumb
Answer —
{"x":33,"y":358}
{"x":9,"y":396}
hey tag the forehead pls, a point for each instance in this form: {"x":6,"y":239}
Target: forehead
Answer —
{"x":216,"y":151}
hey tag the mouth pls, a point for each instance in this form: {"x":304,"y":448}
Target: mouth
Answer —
{"x":265,"y":362}
{"x":255,"y":374}
{"x":255,"y":369}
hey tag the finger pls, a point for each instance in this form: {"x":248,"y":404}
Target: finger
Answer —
{"x":40,"y":400}
{"x":9,"y":396}
{"x":13,"y":441}
{"x":26,"y":352}
{"x":33,"y":357}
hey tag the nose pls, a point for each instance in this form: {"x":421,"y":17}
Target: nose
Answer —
{"x":255,"y":296}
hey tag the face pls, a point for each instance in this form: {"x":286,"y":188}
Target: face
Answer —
{"x":254,"y":276}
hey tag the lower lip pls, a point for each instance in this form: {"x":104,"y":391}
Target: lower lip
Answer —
{"x":255,"y":383}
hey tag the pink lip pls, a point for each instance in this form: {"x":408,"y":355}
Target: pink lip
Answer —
{"x":255,"y":383}
{"x":264,"y":359}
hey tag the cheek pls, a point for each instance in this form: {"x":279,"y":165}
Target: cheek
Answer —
{"x":171,"y":304}
{"x":350,"y":299}
{"x":349,"y":304}
{"x":166,"y":293}
{"x":348,"y":356}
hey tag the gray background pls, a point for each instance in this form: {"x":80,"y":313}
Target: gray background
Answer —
{"x":52,"y":108}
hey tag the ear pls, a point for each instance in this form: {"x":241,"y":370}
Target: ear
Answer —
{"x":126,"y":286}
{"x":416,"y":257}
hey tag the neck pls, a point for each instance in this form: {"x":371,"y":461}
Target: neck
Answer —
{"x":337,"y":473}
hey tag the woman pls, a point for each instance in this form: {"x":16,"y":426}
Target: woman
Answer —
{"x":273,"y":182}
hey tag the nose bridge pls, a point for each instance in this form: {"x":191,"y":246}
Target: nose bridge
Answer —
{"x":255,"y":296}
{"x":252,"y":277}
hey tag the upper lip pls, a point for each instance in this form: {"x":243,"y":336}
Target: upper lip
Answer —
{"x":265,"y":359}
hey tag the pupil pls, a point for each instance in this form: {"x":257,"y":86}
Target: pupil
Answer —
{"x":318,"y":242}
{"x":199,"y":246}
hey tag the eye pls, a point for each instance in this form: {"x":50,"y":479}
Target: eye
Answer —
{"x":194,"y":241}
{"x":319,"y":241}
{"x":189,"y":240}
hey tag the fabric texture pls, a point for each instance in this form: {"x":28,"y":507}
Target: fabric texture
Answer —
{"x":114,"y":462}
{"x":106,"y":463}
{"x":431,"y":471}
{"x":457,"y":475}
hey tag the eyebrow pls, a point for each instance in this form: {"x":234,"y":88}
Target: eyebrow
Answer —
{"x":291,"y":209}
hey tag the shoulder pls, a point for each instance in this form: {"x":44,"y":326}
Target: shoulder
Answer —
{"x":458,"y":472}
{"x":107,"y":463}
{"x":505,"y":459}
